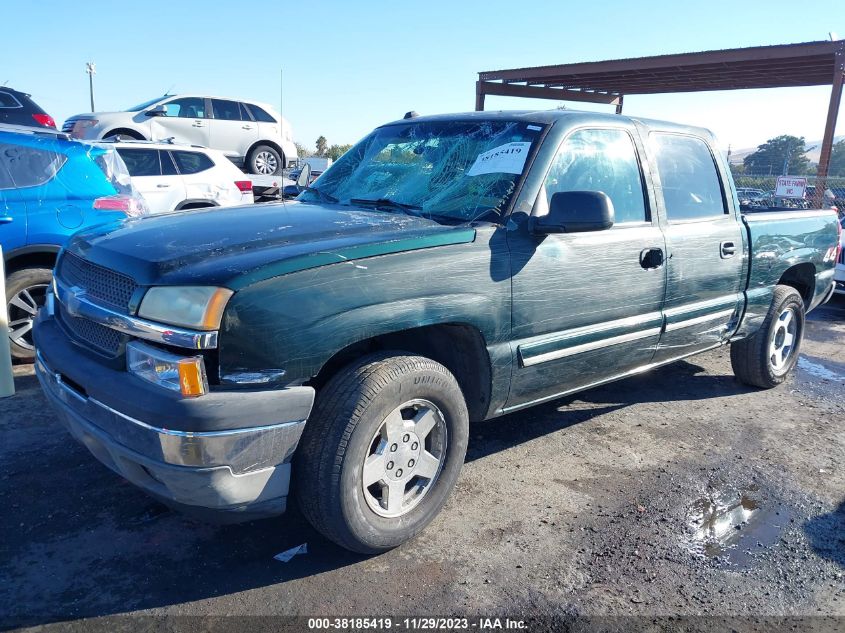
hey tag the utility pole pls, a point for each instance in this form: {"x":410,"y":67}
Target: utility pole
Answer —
{"x":89,"y":68}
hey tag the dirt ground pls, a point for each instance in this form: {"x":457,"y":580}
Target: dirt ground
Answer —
{"x":671,"y":496}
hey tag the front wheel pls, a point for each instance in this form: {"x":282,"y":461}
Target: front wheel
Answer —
{"x":265,"y":161}
{"x":766,"y":358}
{"x":26,"y":291}
{"x":382,"y":451}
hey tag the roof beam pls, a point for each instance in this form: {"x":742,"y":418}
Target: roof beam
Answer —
{"x":535,"y":92}
{"x":730,"y":56}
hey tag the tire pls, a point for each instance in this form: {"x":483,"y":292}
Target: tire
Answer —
{"x":350,"y":424}
{"x":265,"y":161}
{"x":25,"y":293}
{"x":766,"y":358}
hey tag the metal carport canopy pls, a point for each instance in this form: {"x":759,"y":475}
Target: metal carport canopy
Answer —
{"x":785,"y":65}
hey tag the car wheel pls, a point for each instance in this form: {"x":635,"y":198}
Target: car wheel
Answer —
{"x":381,"y":451}
{"x":766,"y":358}
{"x":266,"y":161}
{"x":26,"y":291}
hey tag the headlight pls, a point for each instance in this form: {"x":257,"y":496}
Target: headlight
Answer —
{"x":198,"y":307}
{"x":185,"y":375}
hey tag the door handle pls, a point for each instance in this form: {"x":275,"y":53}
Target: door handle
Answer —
{"x":198,"y":124}
{"x":6,"y":219}
{"x":162,"y":186}
{"x":727,"y":249}
{"x":651,"y":258}
{"x":246,"y":127}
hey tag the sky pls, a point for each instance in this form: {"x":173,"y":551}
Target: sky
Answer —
{"x":341,"y":68}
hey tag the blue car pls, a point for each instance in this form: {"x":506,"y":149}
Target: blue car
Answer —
{"x":50,"y":187}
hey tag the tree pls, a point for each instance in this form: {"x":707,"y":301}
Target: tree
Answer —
{"x":322,"y":145}
{"x":837,"y":159}
{"x":336,"y":151}
{"x":771,"y":157}
{"x":301,"y":150}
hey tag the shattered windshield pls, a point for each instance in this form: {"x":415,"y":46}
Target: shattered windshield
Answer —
{"x":450,"y":170}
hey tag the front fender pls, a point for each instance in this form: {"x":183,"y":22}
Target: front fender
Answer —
{"x":296,"y":322}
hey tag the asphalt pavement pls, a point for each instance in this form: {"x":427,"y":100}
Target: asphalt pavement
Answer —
{"x":675,"y":494}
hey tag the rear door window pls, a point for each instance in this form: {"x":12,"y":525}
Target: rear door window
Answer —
{"x":28,"y":166}
{"x":8,"y":100}
{"x":226,"y":110}
{"x":191,"y":162}
{"x":690,"y":181}
{"x":168,"y":168}
{"x":141,"y":162}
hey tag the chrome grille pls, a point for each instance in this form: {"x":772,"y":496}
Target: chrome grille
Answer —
{"x":99,"y":336}
{"x":98,"y":283}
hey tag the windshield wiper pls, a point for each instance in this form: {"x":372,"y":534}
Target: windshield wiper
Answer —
{"x":387,"y":203}
{"x":322,"y":195}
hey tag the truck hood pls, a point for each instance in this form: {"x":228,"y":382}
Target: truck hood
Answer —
{"x":237,"y":246}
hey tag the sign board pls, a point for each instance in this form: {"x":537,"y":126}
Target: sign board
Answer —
{"x":789,"y":187}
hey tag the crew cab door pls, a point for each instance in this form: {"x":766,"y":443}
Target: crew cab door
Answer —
{"x":186,"y":120}
{"x":155,"y":177}
{"x":587,"y":306}
{"x":705,"y":246}
{"x":232,"y":129}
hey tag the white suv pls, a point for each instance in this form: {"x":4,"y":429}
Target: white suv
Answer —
{"x":251,"y":134}
{"x":174,"y":177}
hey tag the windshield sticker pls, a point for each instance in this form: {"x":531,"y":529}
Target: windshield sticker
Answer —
{"x":504,"y":159}
{"x":536,"y":128}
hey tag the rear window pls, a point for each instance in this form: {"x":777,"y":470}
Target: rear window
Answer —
{"x":258,"y":113}
{"x":28,"y":166}
{"x":8,"y":100}
{"x":191,"y":162}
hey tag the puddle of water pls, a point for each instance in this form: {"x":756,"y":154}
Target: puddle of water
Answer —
{"x":818,"y":370}
{"x":734,"y":525}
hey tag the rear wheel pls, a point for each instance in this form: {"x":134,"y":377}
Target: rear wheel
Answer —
{"x":766,"y":358}
{"x":382,"y":451}
{"x":265,"y":161}
{"x":26,"y":291}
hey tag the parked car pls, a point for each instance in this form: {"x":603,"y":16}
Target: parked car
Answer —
{"x":251,"y":134}
{"x":50,"y":187}
{"x":446,"y":269}
{"x":18,"y":108}
{"x":175,"y":177}
{"x":746,"y":193}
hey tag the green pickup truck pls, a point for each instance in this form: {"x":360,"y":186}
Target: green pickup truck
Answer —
{"x":447,"y":269}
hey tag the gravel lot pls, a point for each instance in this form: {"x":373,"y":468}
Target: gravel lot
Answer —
{"x":588,"y":506}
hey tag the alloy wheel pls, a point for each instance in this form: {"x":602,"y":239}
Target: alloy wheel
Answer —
{"x":405,"y":457}
{"x":23,"y":307}
{"x":783,"y":340}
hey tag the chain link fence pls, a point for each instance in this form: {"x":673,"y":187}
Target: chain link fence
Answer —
{"x":760,"y":190}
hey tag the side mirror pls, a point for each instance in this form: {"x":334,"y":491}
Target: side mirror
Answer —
{"x":575,"y":212}
{"x":304,"y":178}
{"x":159,"y":110}
{"x":290,"y":191}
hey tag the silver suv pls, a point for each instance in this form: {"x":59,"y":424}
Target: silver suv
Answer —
{"x":251,"y":134}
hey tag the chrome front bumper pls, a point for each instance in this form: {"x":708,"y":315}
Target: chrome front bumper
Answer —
{"x":243,"y":470}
